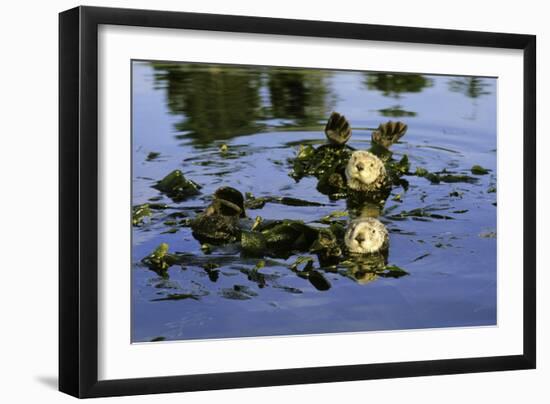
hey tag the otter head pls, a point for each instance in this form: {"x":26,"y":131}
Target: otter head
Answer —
{"x":366,"y":235}
{"x":363,"y":170}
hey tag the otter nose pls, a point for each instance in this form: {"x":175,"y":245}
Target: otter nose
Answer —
{"x":359,"y":238}
{"x":360,"y":166}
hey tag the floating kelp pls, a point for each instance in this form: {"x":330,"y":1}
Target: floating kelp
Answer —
{"x":478,"y":170}
{"x":177,"y":187}
{"x":152,"y":156}
{"x":444,"y":176}
{"x":238,"y":292}
{"x":139,"y":213}
{"x":303,"y":268}
{"x":326,"y":159}
{"x":327,"y":247}
{"x":366,"y":268}
{"x":253,"y":202}
{"x":327,"y":219}
{"x":177,"y":296}
{"x":160,"y":260}
{"x":253,"y":244}
{"x":419,"y":213}
{"x":215,"y":229}
{"x":284,"y":236}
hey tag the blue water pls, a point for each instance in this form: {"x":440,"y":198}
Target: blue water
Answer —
{"x":185,"y":112}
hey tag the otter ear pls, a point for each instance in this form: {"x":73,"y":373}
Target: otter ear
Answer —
{"x":389,"y":133}
{"x":337,"y":129}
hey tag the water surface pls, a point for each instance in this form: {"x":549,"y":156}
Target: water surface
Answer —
{"x":186,"y":112}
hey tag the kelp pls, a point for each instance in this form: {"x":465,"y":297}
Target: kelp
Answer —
{"x":216,"y":229}
{"x":419,"y":213}
{"x":139,"y":213}
{"x":177,"y":296}
{"x":238,"y":292}
{"x":328,"y":219}
{"x":253,"y":202}
{"x":367,"y":268}
{"x":160,"y":259}
{"x":253,"y":244}
{"x":316,"y":162}
{"x":478,"y":170}
{"x":444,"y":176}
{"x":177,"y":187}
{"x":303,"y":268}
{"x":327,"y":247}
{"x":152,"y":156}
{"x":284,"y":236}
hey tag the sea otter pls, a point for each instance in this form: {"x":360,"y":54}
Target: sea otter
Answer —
{"x":366,"y":235}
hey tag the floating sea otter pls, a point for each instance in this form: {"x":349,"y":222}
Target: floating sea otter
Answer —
{"x":366,"y":235}
{"x":365,"y":172}
{"x":343,"y":172}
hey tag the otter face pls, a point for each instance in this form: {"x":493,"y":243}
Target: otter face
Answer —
{"x":366,"y":235}
{"x":363,"y":169}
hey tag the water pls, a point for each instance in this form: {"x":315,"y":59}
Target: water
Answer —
{"x":186,"y":112}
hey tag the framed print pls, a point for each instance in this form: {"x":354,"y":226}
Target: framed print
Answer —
{"x":251,"y":201}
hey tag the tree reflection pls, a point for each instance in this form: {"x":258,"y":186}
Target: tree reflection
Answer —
{"x":220,"y":102}
{"x":217,"y":102}
{"x":396,"y":111}
{"x":393,"y":84}
{"x":471,"y":87}
{"x":298,"y":94}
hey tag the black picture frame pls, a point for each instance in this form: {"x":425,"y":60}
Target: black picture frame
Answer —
{"x":78,"y":196}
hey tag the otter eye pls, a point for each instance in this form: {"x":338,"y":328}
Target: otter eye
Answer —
{"x":373,"y":231}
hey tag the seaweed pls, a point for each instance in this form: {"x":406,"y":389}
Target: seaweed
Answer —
{"x":139,"y":213}
{"x":253,"y":244}
{"x":253,"y":202}
{"x":478,"y":170}
{"x":177,"y":187}
{"x":177,"y":296}
{"x":444,"y":176}
{"x":419,"y":213}
{"x":238,"y":292}
{"x":160,"y":260}
{"x":152,"y":156}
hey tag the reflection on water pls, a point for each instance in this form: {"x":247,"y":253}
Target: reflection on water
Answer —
{"x":300,"y":95}
{"x":216,"y":103}
{"x":472,"y":87}
{"x":393,"y":85}
{"x":396,"y":111}
{"x":219,"y":103}
{"x":239,"y":126}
